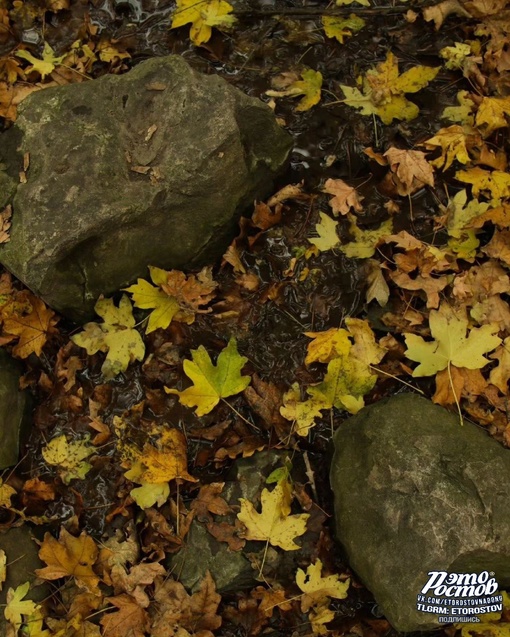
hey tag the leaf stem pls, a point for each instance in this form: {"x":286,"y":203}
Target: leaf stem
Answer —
{"x":248,"y":422}
{"x":376,"y":369}
{"x":461,"y":419}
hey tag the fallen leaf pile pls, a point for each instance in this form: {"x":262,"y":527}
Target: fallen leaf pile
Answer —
{"x":383,"y":266}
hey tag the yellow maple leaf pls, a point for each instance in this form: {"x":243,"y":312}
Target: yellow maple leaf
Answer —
{"x":115,"y":336}
{"x":451,"y":346}
{"x":107,"y":52}
{"x":309,"y":86}
{"x":34,"y":626}
{"x":460,"y":216}
{"x":317,"y":589}
{"x":452,"y":142}
{"x":362,"y":101}
{"x":346,"y":381}
{"x":45,"y":65}
{"x":16,"y":607}
{"x":203,"y":15}
{"x":318,"y":617}
{"x":326,"y":229}
{"x":341,"y":28}
{"x":70,"y":556}
{"x":365,"y":241}
{"x":326,"y":345}
{"x":147,"y":296}
{"x":497,"y":182}
{"x":274,"y":524}
{"x":212,"y":382}
{"x":147,"y":495}
{"x":348,"y":378}
{"x":301,"y":413}
{"x":463,"y":113}
{"x":455,"y":55}
{"x":491,"y":114}
{"x":168,"y":461}
{"x":383,"y":90}
{"x":69,"y":457}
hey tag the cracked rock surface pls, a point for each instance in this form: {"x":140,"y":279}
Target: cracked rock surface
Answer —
{"x":148,"y":168}
{"x":415,"y":491}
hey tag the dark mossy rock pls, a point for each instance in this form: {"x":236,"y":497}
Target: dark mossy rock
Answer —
{"x":231,"y":570}
{"x":22,"y":553}
{"x":415,"y":491}
{"x":152,"y":167}
{"x":14,"y":410}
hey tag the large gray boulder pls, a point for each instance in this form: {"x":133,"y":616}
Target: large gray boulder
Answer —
{"x":147,"y":168}
{"x":417,"y":492}
{"x":14,"y":408}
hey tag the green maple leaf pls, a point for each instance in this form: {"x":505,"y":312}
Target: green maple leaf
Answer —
{"x":115,"y":336}
{"x":451,"y":346}
{"x":212,"y":382}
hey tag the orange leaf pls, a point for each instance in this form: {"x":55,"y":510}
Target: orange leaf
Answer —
{"x":33,"y":329}
{"x":70,"y":557}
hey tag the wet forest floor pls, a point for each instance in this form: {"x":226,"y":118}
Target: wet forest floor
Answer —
{"x":396,"y":244}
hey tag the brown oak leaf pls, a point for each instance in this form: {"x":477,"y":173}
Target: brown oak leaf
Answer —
{"x":130,"y":619}
{"x":225,"y":532}
{"x":209,"y":501}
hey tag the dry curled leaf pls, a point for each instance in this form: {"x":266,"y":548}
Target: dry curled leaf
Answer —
{"x":345,"y":197}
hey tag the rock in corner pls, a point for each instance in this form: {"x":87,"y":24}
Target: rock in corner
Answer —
{"x":417,"y":492}
{"x":151,"y":167}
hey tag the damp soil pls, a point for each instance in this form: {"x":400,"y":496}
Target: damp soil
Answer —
{"x":329,"y":141}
